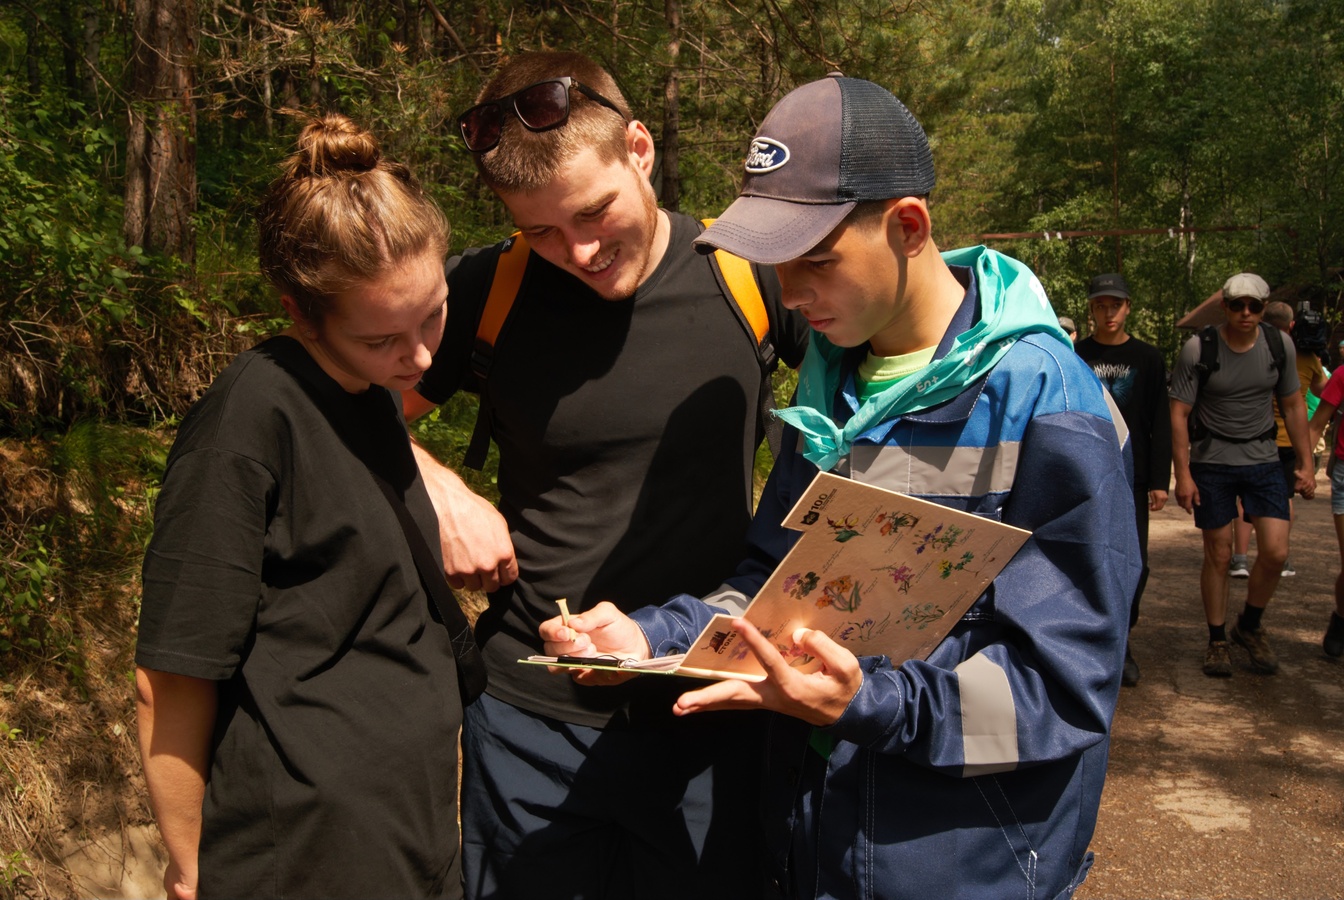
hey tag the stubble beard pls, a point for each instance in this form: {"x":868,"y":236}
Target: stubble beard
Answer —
{"x":650,"y":206}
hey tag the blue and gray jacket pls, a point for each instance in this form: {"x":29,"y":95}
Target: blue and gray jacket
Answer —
{"x":976,"y":773}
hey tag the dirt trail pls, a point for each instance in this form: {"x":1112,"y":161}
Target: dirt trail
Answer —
{"x":1228,"y":788}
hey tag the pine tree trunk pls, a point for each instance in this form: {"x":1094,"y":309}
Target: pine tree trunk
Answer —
{"x":671,"y":193}
{"x":161,"y":143}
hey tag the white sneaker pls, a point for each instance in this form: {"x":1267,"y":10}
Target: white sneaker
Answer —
{"x":1238,"y":568}
{"x":1288,"y":570}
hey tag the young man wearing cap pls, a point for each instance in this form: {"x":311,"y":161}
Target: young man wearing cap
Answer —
{"x":1136,"y":376}
{"x":976,"y":772}
{"x":1070,"y":329}
{"x":1225,"y":452}
{"x":623,"y":400}
{"x":1311,"y":380}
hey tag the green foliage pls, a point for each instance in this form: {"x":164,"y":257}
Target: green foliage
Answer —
{"x":60,"y":253}
{"x":13,"y":866}
{"x":84,"y":319}
{"x":1172,"y":114}
{"x":446,"y":433}
{"x":35,"y":626}
{"x":57,"y":548}
{"x":26,"y":596}
{"x":97,"y":464}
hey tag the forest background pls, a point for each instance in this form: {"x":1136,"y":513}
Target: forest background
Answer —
{"x":1176,"y":141}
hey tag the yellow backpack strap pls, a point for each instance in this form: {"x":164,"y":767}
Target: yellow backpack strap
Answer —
{"x":510,"y":267}
{"x":746,"y":296}
{"x":746,"y":292}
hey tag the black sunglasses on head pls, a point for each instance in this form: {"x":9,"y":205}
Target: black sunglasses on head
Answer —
{"x":1236,"y":304}
{"x":539,"y":107}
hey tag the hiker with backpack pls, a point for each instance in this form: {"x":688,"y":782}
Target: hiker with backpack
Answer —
{"x":621,"y":376}
{"x":1222,"y":432}
{"x":1311,"y":376}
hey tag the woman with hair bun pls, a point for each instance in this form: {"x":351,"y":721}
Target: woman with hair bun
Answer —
{"x":297,"y":691}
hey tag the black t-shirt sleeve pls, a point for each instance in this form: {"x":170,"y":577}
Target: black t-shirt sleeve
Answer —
{"x":203,"y":570}
{"x":787,"y":327}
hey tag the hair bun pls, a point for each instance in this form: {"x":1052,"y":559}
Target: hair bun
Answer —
{"x":334,"y":144}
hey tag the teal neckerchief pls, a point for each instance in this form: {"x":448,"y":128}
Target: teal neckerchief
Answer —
{"x":1012,"y":304}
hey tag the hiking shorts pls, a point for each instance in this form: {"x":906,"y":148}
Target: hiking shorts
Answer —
{"x":1259,"y":487}
{"x":1337,"y":489}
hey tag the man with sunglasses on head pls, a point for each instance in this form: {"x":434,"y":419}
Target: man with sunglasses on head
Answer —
{"x":1222,"y":437}
{"x":623,"y":397}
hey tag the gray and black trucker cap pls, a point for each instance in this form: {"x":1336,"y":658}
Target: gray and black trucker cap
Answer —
{"x":824,"y":148}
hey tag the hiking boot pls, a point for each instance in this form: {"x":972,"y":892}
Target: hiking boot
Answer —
{"x":1237,"y":568}
{"x":1262,"y":658}
{"x":1218,"y":660}
{"x":1129,"y":675}
{"x":1288,"y":570}
{"x":1334,"y":637}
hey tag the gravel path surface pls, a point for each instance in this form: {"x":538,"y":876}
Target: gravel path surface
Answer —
{"x":1234,"y":787}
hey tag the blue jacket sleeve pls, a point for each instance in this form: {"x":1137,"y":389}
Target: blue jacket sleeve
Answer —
{"x":1031,"y":674}
{"x":672,"y":627}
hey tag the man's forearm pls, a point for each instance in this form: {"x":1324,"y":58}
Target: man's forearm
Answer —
{"x":478,"y":552}
{"x":1180,"y":440}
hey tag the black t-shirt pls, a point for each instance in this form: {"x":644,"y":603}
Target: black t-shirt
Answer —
{"x":1136,"y":375}
{"x":278,"y":569}
{"x":626,"y":434}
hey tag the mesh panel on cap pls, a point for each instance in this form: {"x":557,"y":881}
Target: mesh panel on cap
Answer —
{"x":884,"y":153}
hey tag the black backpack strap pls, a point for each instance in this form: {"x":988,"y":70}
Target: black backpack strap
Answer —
{"x":1208,"y":354}
{"x":507,"y":281}
{"x":1279,"y":355}
{"x":471,"y":671}
{"x":1208,"y":364}
{"x":1277,"y":352}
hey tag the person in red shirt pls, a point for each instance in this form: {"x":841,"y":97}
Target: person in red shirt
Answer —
{"x":1331,"y":400}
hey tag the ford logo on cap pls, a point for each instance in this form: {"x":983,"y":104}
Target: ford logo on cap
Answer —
{"x":765,"y":155}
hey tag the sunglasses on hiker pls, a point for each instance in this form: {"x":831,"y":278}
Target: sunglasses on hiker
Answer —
{"x":1236,"y":304}
{"x":540,"y":107}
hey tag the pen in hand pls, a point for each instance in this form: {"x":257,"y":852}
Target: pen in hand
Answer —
{"x":564,"y":617}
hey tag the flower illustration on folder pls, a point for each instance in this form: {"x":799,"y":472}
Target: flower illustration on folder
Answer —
{"x":901,"y":575}
{"x":845,"y":529}
{"x":841,"y":594}
{"x":921,"y":615}
{"x":864,"y":631}
{"x":885,"y":573}
{"x":942,"y":537}
{"x":889,"y":523}
{"x":799,"y":585}
{"x":946,"y":566}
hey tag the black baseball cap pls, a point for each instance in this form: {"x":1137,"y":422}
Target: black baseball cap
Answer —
{"x":1109,"y":285}
{"x":824,"y":148}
